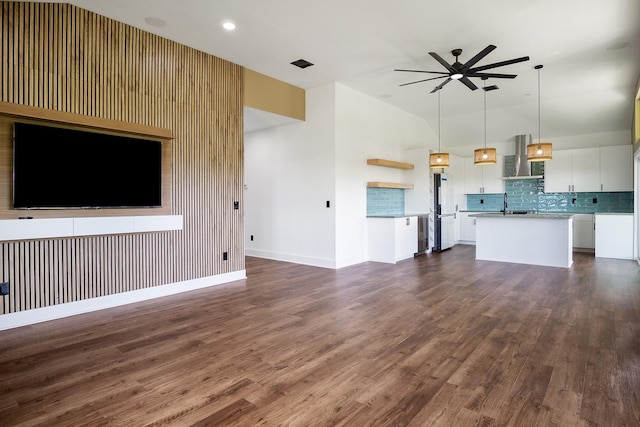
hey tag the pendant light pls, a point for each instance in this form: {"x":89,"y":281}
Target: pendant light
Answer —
{"x":542,"y":150}
{"x":439,"y":160}
{"x":485,"y":156}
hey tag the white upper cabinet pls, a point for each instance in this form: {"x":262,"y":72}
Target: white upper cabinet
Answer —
{"x":585,"y":170}
{"x":589,"y":170}
{"x":492,"y":176}
{"x":472,"y":177}
{"x":616,"y":168}
{"x":557,"y":173}
{"x":483,"y":179}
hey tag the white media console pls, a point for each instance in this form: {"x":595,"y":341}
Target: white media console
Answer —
{"x":48,"y":228}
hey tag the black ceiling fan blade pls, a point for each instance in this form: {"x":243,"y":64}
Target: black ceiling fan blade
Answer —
{"x":498,"y":64}
{"x":468,"y":83}
{"x":442,"y":62}
{"x":484,"y":52}
{"x":420,"y":81}
{"x":437,"y":88}
{"x":493,"y":75}
{"x":421,"y":71}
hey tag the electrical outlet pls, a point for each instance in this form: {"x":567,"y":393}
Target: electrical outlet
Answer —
{"x":328,"y":204}
{"x":236,"y":205}
{"x":4,"y":288}
{"x":225,"y":256}
{"x":573,"y":200}
{"x":481,"y":201}
{"x":595,"y":200}
{"x":252,"y":237}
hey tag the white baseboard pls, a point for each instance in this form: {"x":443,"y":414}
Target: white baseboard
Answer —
{"x":297,"y":259}
{"x":37,"y":315}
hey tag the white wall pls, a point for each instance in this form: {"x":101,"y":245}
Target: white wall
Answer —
{"x":289,"y":177}
{"x":419,"y":199}
{"x":366,"y":128}
{"x":292,"y":171}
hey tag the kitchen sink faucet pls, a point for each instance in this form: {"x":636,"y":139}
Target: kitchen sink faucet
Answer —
{"x":504,"y":208}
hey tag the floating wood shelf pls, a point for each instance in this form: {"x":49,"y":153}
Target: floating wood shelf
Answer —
{"x":379,"y":184}
{"x":389,"y":164}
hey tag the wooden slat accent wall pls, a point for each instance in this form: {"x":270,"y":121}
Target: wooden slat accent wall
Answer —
{"x":64,"y":58}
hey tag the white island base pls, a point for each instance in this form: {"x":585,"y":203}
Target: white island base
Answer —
{"x":538,"y":239}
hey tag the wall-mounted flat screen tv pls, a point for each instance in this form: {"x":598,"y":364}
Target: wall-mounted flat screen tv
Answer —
{"x":58,"y":168}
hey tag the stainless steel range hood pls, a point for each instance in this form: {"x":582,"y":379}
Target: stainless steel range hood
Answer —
{"x":523,"y":166}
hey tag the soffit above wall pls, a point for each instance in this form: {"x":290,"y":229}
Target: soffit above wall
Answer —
{"x":255,"y":119}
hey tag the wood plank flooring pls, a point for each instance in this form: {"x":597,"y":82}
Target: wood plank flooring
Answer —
{"x":439,"y":340}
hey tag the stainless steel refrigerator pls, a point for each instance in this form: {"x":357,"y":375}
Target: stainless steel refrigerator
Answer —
{"x":444,"y":209}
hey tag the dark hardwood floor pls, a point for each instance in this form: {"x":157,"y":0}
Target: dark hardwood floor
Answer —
{"x":439,"y":340}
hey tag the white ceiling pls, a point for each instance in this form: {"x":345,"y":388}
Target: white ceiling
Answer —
{"x":587,"y":85}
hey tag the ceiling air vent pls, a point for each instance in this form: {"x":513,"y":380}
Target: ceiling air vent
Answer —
{"x":302,"y":63}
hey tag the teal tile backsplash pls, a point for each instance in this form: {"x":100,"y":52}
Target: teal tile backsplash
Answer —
{"x":537,"y":168}
{"x":385,"y":201}
{"x":529,"y":195}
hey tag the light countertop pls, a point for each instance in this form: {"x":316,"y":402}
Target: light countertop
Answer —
{"x":614,"y":213}
{"x":405,"y":215}
{"x":528,"y":215}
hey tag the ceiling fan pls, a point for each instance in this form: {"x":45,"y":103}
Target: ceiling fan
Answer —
{"x":462,"y":72}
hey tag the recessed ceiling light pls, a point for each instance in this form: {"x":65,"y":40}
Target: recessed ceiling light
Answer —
{"x":229,"y":26}
{"x":155,"y":22}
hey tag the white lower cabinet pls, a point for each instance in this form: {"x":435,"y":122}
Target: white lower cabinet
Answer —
{"x":583,"y":231}
{"x":614,"y":236}
{"x":392,"y":239}
{"x":467,"y":228}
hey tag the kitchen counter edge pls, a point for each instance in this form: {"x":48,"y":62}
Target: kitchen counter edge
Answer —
{"x":531,"y":215}
{"x":409,"y":215}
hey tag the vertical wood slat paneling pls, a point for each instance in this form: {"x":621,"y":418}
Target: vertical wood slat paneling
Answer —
{"x":61,"y":57}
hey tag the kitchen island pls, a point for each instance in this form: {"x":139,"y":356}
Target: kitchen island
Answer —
{"x":532,"y":238}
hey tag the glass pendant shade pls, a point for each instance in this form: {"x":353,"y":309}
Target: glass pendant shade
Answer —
{"x":439,"y":160}
{"x":539,"y":152}
{"x":484,"y":156}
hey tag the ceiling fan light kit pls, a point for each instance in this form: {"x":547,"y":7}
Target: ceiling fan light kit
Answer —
{"x":541,"y":151}
{"x":462,"y":72}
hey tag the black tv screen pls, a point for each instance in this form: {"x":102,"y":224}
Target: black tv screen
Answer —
{"x":65,"y":168}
